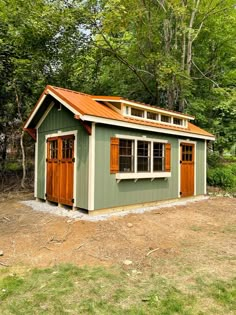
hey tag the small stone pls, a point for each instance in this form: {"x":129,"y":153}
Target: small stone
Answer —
{"x":127,"y":262}
{"x":1,"y":253}
{"x":129,"y":225}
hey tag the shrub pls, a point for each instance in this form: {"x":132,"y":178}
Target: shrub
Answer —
{"x":213,"y":159}
{"x":221,"y":176}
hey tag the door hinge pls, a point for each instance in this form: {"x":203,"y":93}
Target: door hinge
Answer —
{"x":180,"y":162}
{"x":47,"y":160}
{"x":46,"y":195}
{"x":180,"y":193}
{"x":73,"y":160}
{"x":72,"y":200}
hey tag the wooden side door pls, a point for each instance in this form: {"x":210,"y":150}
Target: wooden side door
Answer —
{"x":187,"y":169}
{"x":60,"y":169}
{"x":66,"y":169}
{"x":52,"y":175}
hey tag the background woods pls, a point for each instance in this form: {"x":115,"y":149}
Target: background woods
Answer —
{"x":179,"y":54}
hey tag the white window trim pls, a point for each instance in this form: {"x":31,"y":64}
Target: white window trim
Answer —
{"x":158,"y":120}
{"x":141,"y":175}
{"x":60,"y":134}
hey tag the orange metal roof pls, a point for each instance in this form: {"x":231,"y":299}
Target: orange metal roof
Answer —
{"x":86,"y":104}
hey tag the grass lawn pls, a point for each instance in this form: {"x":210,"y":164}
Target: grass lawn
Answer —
{"x":67,"y":289}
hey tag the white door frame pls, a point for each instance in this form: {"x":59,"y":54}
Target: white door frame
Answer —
{"x":60,"y":134}
{"x":179,"y":164}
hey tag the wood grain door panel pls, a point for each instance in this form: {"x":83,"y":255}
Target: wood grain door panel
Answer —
{"x":60,"y":169}
{"x":187,"y":169}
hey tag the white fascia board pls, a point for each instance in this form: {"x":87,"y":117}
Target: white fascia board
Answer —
{"x":44,"y":115}
{"x":75,"y":112}
{"x":145,"y":107}
{"x":35,"y":111}
{"x":143,"y":127}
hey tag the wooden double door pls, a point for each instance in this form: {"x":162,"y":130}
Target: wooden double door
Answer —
{"x":60,"y":169}
{"x":187,"y":169}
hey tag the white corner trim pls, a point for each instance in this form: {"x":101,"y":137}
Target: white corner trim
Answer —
{"x":179,"y":165}
{"x":205,"y":167}
{"x":36,"y":166}
{"x":143,"y":127}
{"x":91,"y":175}
{"x":35,"y":111}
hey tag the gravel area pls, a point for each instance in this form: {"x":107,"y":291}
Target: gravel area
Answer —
{"x":77,"y":215}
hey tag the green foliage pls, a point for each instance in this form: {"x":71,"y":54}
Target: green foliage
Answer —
{"x":143,"y":50}
{"x":213,"y":159}
{"x":13,"y":166}
{"x":222,"y":176}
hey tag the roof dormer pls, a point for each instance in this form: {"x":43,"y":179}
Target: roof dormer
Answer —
{"x":145,"y":112}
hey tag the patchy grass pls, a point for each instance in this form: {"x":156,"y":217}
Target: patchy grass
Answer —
{"x":67,"y":289}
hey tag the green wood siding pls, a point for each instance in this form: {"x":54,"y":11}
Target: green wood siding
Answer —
{"x":63,"y":120}
{"x":109,"y":193}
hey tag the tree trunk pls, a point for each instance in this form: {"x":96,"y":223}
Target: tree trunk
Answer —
{"x":190,"y":37}
{"x":21,"y":138}
{"x":23,"y":159}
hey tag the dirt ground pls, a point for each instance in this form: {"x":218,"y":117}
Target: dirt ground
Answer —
{"x":201,"y":235}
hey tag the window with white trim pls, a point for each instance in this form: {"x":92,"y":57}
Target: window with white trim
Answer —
{"x":158,"y":157}
{"x":137,"y":112}
{"x":143,"y":156}
{"x":152,"y":116}
{"x":137,"y":156}
{"x":165,"y":118}
{"x":178,"y":121}
{"x":126,"y":155}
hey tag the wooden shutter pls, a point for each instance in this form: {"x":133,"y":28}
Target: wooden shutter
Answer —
{"x":167,"y":157}
{"x":114,"y":155}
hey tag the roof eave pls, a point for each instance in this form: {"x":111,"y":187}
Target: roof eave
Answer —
{"x":134,"y":125}
{"x":49,"y":90}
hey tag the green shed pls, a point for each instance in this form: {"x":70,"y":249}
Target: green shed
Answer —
{"x":104,"y":153}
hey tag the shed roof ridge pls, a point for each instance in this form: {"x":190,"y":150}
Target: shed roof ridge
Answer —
{"x":120,"y":98}
{"x":68,"y":90}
